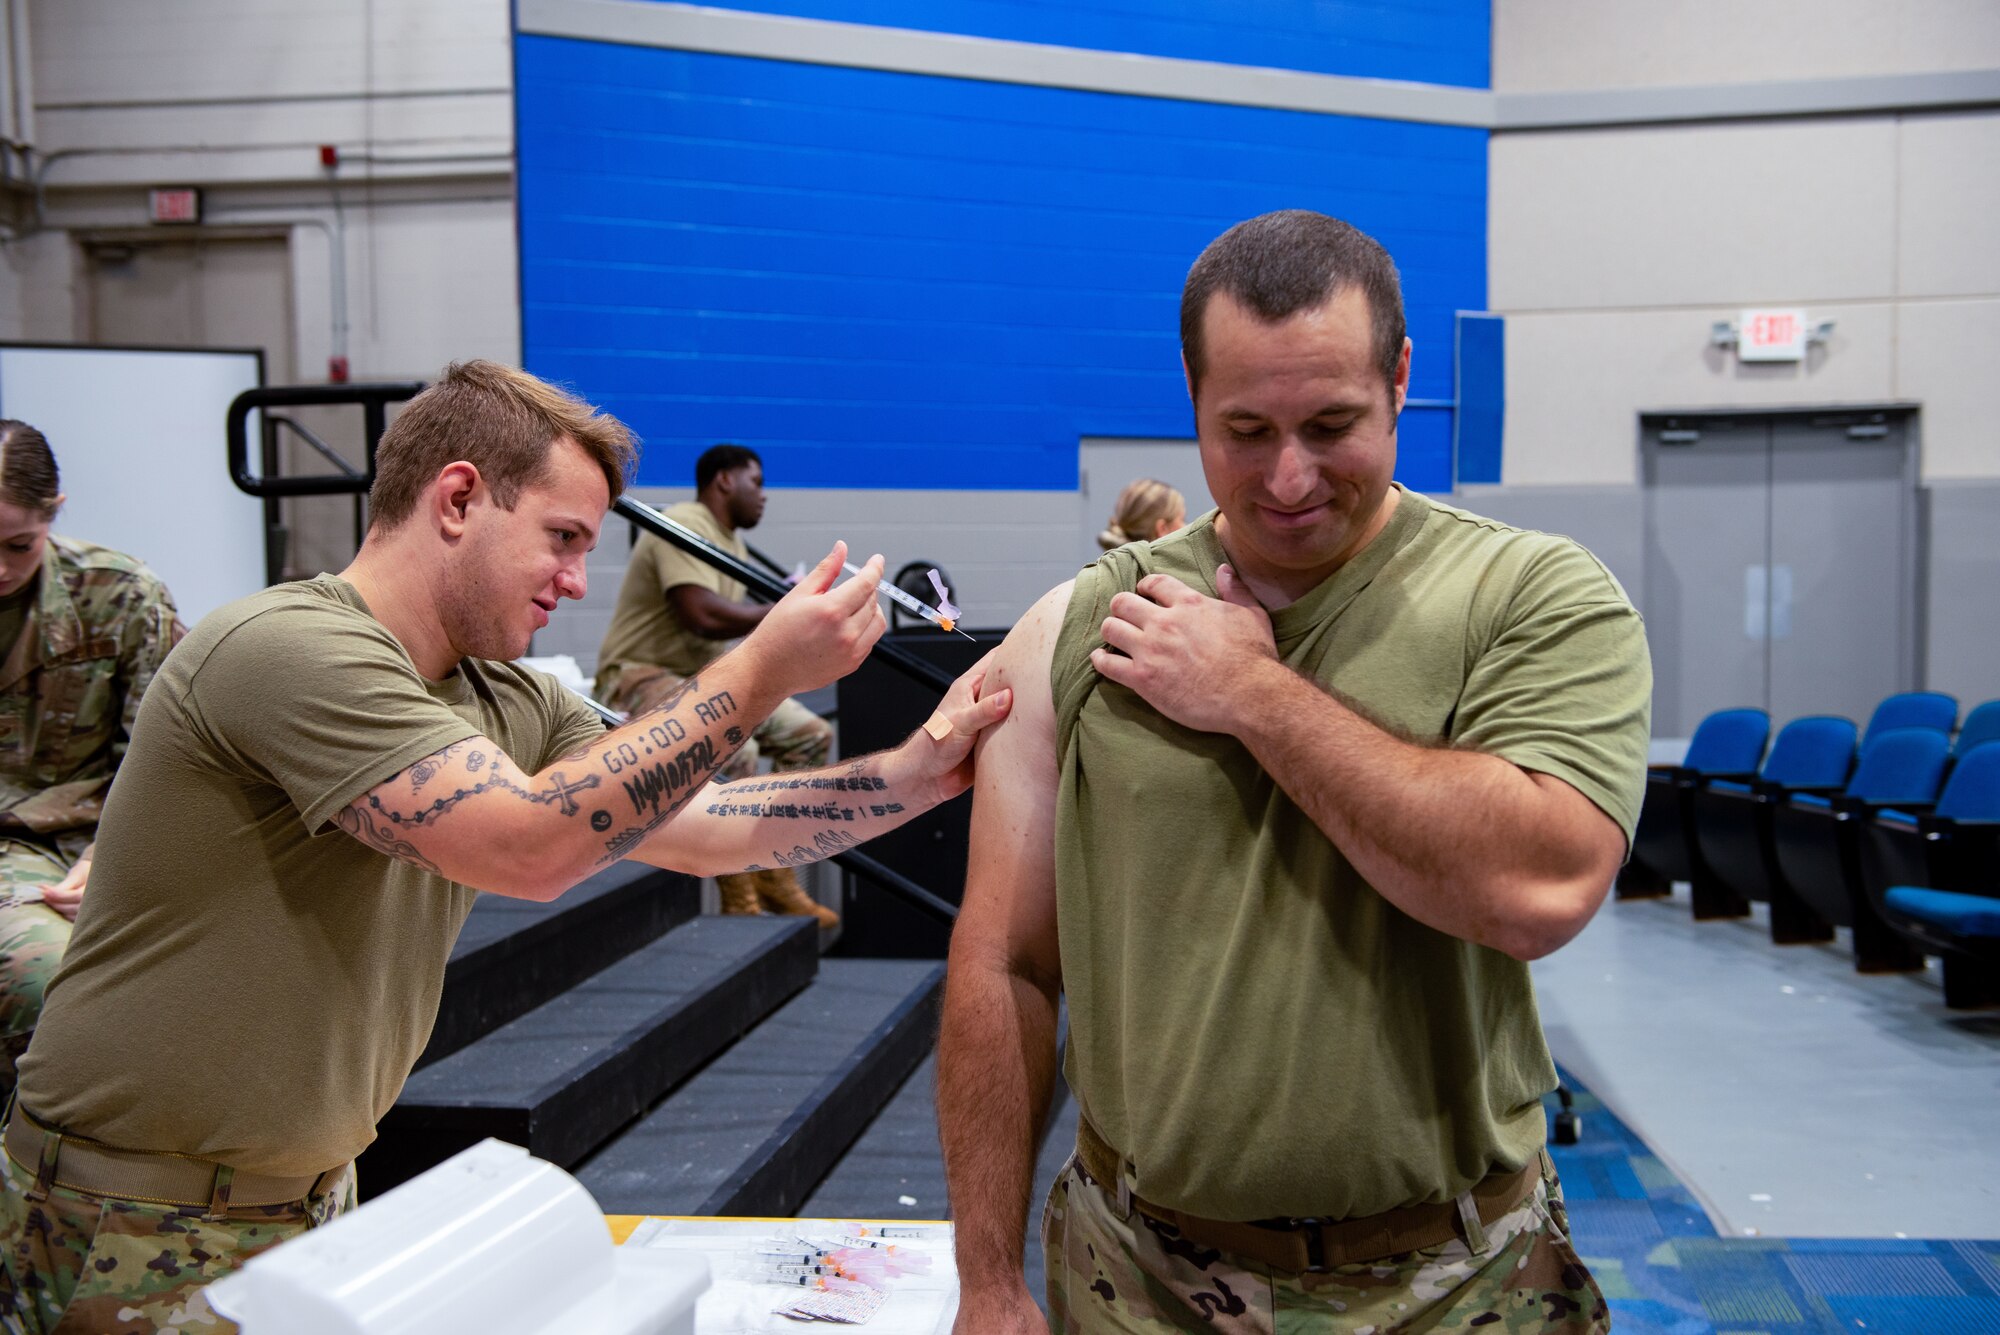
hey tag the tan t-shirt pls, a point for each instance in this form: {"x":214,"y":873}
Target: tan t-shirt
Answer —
{"x":1250,"y":1022}
{"x":644,"y":628}
{"x":247,"y":982}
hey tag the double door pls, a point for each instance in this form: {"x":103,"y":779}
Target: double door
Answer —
{"x":1781,"y":562}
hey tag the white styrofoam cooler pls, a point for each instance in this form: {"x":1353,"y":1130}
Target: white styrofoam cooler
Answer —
{"x":492,"y":1241}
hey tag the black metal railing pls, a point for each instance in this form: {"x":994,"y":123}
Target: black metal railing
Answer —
{"x":374,"y":399}
{"x":271,"y":486}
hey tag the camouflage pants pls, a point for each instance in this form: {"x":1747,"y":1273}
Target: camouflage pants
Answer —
{"x":793,"y":737}
{"x":1141,"y":1277}
{"x":76,"y":1264}
{"x":33,"y":937}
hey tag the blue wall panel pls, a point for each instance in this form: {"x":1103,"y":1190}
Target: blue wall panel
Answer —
{"x":1427,"y":41}
{"x":884,"y":280}
{"x":1482,"y":396}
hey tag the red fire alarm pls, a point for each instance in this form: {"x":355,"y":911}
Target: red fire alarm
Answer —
{"x":177,"y":204}
{"x":329,"y":156}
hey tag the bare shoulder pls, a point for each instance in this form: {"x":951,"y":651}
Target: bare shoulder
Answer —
{"x":1023,"y":660}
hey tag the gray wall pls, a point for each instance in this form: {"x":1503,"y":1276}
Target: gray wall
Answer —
{"x":1609,"y":520}
{"x":1964,"y":590}
{"x":1560,"y":45}
{"x":1958,"y":576}
{"x":1614,"y":248}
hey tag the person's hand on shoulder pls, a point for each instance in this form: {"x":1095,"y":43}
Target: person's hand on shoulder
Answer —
{"x":1189,"y":656}
{"x":939,"y":754}
{"x":817,"y":633}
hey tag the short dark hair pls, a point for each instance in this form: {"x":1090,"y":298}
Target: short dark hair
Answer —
{"x":1294,"y":260}
{"x":719,"y":459}
{"x":502,"y":421}
{"x":28,"y":476}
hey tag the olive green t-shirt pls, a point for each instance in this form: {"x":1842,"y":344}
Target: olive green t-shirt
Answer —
{"x":1257,"y":1029}
{"x":248,"y":982}
{"x":643,"y":627}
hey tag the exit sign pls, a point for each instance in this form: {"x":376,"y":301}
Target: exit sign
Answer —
{"x":181,"y":204}
{"x":1772,"y":336}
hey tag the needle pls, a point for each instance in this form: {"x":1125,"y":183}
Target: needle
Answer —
{"x":909,"y":604}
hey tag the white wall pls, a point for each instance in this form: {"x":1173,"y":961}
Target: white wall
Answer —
{"x":236,"y":96}
{"x":1571,"y":45}
{"x":34,"y":287}
{"x":1612,"y":251}
{"x":244,"y":88}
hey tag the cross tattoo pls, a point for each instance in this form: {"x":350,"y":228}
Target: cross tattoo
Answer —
{"x":562,"y":792}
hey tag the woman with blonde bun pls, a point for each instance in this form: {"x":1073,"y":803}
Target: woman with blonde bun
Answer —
{"x":1147,"y":508}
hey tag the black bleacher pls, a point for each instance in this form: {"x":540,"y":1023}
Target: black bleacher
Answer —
{"x":677,"y":1064}
{"x":755,"y":1131}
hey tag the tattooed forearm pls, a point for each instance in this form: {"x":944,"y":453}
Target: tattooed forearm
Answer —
{"x":673,"y":697}
{"x":825,"y":844}
{"x":799,"y":810}
{"x":866,"y":783}
{"x":659,"y":790}
{"x":662,"y":765}
{"x":669,"y":783}
{"x":357,"y":822}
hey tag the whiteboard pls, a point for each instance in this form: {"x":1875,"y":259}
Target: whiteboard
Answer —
{"x":141,"y":441}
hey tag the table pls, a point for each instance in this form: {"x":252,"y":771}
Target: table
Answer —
{"x":739,"y":1303}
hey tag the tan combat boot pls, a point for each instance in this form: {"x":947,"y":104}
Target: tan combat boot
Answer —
{"x":781,"y":891}
{"x":739,"y":893}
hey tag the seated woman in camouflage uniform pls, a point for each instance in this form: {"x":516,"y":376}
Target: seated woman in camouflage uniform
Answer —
{"x":85,"y":628}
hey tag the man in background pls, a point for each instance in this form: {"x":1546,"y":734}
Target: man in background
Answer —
{"x":676,"y":614}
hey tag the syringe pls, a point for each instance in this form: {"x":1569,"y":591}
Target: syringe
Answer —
{"x":909,"y":604}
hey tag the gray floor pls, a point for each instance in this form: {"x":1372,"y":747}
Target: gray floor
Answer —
{"x":1796,"y":1097}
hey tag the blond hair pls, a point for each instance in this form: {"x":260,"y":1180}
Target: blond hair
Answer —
{"x":1140,"y":508}
{"x":502,"y":421}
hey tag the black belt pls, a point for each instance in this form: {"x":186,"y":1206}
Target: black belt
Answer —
{"x":1318,"y":1244}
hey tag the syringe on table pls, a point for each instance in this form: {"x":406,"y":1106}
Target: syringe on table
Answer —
{"x":944,"y":616}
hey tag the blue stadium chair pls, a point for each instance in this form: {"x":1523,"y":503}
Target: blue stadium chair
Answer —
{"x":1818,"y":843}
{"x":1729,"y":822}
{"x":1729,"y":744}
{"x":1953,"y":847}
{"x":1913,"y":709}
{"x":1982,"y":725}
{"x":1962,"y":928}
